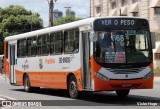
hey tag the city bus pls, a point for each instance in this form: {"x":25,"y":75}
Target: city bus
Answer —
{"x":93,"y":54}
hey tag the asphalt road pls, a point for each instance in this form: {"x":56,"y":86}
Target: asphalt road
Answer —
{"x":59,"y":98}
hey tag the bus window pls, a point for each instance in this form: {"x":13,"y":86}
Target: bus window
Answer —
{"x":32,"y":46}
{"x":71,"y":41}
{"x":43,"y":44}
{"x":56,"y":45}
{"x":21,"y":48}
{"x":138,"y":49}
{"x":127,"y":46}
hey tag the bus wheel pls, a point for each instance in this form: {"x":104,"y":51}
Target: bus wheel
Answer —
{"x":73,"y":89}
{"x":27,"y":86}
{"x":122,"y":93}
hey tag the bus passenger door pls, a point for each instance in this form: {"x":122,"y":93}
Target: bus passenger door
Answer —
{"x":12,"y":64}
{"x":86,"y":58}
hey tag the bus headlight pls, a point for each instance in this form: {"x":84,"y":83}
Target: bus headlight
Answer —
{"x":148,"y":75}
{"x":101,"y":76}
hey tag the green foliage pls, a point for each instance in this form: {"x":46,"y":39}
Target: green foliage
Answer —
{"x":13,"y":10}
{"x":157,"y":70}
{"x":66,"y":19}
{"x":15,"y":20}
{"x":19,"y":24}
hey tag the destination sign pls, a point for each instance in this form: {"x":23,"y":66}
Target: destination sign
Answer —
{"x":120,"y":23}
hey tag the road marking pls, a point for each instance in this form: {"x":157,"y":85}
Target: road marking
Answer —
{"x":2,"y":98}
{"x":7,"y":97}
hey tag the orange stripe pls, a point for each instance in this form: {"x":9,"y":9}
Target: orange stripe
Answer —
{"x":49,"y":79}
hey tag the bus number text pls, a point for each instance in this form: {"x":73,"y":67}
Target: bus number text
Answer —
{"x":64,"y":60}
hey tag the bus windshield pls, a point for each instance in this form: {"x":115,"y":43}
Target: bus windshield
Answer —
{"x":122,"y":46}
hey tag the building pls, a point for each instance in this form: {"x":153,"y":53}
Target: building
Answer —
{"x":69,"y":12}
{"x":149,"y":9}
{"x":57,"y":15}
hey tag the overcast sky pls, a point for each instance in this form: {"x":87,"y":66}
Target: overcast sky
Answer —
{"x":81,"y":7}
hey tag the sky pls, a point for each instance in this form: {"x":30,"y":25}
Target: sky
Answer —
{"x":81,"y":7}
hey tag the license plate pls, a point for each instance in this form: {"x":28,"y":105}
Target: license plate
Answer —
{"x":126,"y":85}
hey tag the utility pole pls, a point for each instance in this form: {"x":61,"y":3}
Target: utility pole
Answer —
{"x":51,"y":6}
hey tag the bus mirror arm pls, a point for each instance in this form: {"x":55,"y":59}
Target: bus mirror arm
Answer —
{"x":93,"y":36}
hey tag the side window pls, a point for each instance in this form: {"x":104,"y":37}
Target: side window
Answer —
{"x":56,"y":45}
{"x":32,"y":46}
{"x":43,"y":45}
{"x":21,"y":48}
{"x":71,"y":41}
{"x":141,"y":42}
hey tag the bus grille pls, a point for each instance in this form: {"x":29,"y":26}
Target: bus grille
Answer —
{"x":126,"y":70}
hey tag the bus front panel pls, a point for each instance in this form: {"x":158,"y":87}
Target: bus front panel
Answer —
{"x":123,"y":54}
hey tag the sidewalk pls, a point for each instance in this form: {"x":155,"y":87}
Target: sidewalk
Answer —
{"x":156,"y":78}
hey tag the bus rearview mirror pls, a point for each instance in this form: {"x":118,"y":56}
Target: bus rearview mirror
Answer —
{"x":93,"y":36}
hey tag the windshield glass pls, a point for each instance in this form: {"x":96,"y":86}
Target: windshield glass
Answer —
{"x":122,"y":46}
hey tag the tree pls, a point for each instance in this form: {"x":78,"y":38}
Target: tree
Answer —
{"x":66,"y":19}
{"x":16,"y":20}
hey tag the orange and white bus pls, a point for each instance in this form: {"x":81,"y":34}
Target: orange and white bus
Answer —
{"x":94,"y":54}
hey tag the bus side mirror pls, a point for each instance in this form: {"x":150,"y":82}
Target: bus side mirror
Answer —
{"x":153,"y":40}
{"x":93,"y":36}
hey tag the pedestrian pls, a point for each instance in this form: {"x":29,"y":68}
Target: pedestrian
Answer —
{"x":2,"y":65}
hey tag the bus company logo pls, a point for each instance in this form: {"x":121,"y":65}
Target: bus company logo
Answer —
{"x":126,"y":76}
{"x":25,"y":65}
{"x":40,"y":63}
{"x":50,"y":61}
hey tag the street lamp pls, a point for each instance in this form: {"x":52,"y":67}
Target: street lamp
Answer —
{"x":51,"y":6}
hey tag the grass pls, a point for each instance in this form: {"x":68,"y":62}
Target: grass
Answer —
{"x":156,"y":71}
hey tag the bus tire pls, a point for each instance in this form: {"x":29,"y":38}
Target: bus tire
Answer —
{"x":27,"y":86}
{"x":122,"y":93}
{"x":72,"y":87}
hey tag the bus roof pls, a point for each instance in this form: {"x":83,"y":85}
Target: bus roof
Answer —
{"x":66,"y":26}
{"x":51,"y":29}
